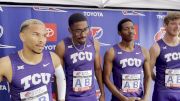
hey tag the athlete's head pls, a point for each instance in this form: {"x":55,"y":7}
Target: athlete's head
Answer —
{"x":33,"y":35}
{"x":126,"y":29}
{"x":78,"y":27}
{"x":172,"y":23}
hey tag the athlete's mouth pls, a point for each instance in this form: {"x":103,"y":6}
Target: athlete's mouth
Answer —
{"x":41,"y":46}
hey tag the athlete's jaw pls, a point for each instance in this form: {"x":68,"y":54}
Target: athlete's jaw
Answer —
{"x":39,"y":48}
{"x":82,"y":40}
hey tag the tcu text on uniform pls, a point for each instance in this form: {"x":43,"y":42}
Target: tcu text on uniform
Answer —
{"x":81,"y":56}
{"x":130,"y":62}
{"x":172,"y":56}
{"x":35,"y":79}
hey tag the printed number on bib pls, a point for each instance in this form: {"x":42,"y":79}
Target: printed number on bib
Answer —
{"x":82,"y":80}
{"x":172,"y":78}
{"x":39,"y":94}
{"x":130,"y":82}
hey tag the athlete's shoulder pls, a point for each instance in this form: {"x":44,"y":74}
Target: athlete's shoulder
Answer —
{"x":5,"y":60}
{"x":110,"y":52}
{"x":5,"y":67}
{"x":60,"y":48}
{"x":155,"y":46}
{"x":154,"y":51}
{"x":144,"y":51}
{"x":55,"y":59}
{"x":60,"y":44}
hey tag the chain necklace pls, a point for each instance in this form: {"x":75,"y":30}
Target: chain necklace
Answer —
{"x":24,"y":59}
{"x":76,"y":47}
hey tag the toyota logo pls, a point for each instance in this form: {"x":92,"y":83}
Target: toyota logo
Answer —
{"x":50,"y":32}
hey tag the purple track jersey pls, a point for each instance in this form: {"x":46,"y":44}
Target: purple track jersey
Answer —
{"x":167,"y":73}
{"x":31,"y":82}
{"x":128,"y":71}
{"x":79,"y":69}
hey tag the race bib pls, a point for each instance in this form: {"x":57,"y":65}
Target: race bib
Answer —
{"x":131,"y":82}
{"x":82,"y":80}
{"x":39,"y":94}
{"x":172,"y":78}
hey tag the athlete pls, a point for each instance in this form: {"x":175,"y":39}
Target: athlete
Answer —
{"x":30,"y":70}
{"x":165,"y":56}
{"x":129,"y":64}
{"x":81,"y":60}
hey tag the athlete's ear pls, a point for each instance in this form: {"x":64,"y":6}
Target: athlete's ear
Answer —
{"x":69,"y":29}
{"x":165,"y":26}
{"x":119,"y":33}
{"x":21,"y":35}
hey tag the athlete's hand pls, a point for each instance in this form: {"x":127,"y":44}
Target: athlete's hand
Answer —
{"x":143,"y":99}
{"x":133,"y":99}
{"x":102,"y":97}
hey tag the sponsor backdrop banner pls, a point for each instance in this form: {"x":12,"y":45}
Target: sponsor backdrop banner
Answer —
{"x":103,"y":26}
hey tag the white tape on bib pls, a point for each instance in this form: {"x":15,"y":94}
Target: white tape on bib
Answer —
{"x":82,"y":80}
{"x":172,"y":78}
{"x":131,"y":82}
{"x":39,"y":94}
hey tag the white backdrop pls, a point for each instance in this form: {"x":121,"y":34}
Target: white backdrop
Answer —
{"x":150,"y":4}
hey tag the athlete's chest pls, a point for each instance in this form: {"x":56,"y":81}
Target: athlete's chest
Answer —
{"x":27,"y":77}
{"x":169,"y":54}
{"x":132,"y":59}
{"x":73,"y":56}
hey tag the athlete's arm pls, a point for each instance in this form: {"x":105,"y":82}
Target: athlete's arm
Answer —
{"x":60,"y":77}
{"x":98,"y":70}
{"x":154,"y":53}
{"x":60,"y":50}
{"x":5,"y":68}
{"x":107,"y":70}
{"x":147,"y":74}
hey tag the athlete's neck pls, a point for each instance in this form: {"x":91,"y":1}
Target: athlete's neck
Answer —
{"x":76,"y":47}
{"x":171,"y":40}
{"x":127,"y":46}
{"x":30,"y":57}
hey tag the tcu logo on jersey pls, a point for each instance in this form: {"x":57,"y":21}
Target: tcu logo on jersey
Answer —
{"x":172,"y":56}
{"x":81,"y":56}
{"x":35,"y":79}
{"x":130,"y":62}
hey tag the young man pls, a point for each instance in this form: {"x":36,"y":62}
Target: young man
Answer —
{"x":81,"y":59}
{"x":30,"y":70}
{"x":128,"y":62}
{"x":165,"y":55}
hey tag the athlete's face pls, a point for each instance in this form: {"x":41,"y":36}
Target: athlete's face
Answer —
{"x":34,"y":38}
{"x":127,"y":32}
{"x":79,"y":31}
{"x":173,"y":27}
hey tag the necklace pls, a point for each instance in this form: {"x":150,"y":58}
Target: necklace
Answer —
{"x":76,"y":47}
{"x":24,"y":59}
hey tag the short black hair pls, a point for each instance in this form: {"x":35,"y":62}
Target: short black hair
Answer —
{"x":121,"y":22}
{"x":76,"y":17}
